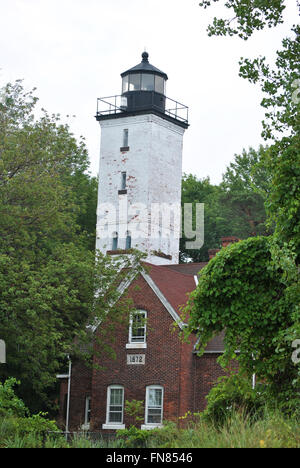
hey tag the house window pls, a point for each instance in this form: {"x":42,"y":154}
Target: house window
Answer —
{"x":123,"y":181}
{"x":87,"y":414}
{"x":137,"y":328}
{"x":125,"y":137}
{"x":115,"y":405}
{"x":115,"y":241}
{"x":154,"y":405}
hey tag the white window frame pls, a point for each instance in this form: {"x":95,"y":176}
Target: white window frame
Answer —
{"x":148,"y":425}
{"x":108,"y":424}
{"x":137,"y":344}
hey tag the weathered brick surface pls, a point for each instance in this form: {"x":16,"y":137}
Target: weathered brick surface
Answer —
{"x":165,"y":364}
{"x":206,"y":373}
{"x":81,"y":387}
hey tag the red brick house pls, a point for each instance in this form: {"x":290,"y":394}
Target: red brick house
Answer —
{"x":152,"y":364}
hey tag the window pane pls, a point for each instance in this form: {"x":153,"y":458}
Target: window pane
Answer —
{"x":154,"y":416}
{"x":147,"y":82}
{"x":115,"y":417}
{"x":155,"y":396}
{"x":115,"y":410}
{"x":159,"y":85}
{"x":134,"y":82}
{"x":125,"y":84}
{"x":138,"y":330}
{"x":116,"y":396}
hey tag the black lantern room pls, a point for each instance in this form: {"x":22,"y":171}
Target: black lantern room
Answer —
{"x":144,"y":86}
{"x":143,"y":92}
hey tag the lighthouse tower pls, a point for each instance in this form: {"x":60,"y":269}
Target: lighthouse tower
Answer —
{"x":140,"y":167}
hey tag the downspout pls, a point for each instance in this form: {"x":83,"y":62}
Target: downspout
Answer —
{"x":253,"y":381}
{"x":253,"y":376}
{"x":68,"y":398}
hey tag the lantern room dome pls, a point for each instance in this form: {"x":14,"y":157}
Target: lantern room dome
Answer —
{"x":144,"y":77}
{"x":145,"y":67}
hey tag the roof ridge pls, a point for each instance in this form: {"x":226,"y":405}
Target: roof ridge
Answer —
{"x":169,"y":269}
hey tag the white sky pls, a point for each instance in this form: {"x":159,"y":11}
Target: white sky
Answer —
{"x":73,"y":51}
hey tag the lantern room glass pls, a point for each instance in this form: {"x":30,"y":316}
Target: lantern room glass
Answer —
{"x":135,"y":82}
{"x":125,"y":84}
{"x":159,"y":84}
{"x":147,"y":82}
{"x":143,"y":82}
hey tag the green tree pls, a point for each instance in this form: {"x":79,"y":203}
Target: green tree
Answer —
{"x":244,"y":292}
{"x":235,"y":207}
{"x":280,"y":86}
{"x":246,"y":17}
{"x":202,"y":191}
{"x":245,"y":187}
{"x":252,"y":289}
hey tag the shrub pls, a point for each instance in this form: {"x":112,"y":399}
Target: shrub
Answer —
{"x":133,"y":437}
{"x":10,"y":404}
{"x":232,"y":393}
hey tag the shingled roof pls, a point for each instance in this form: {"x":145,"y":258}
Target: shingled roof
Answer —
{"x":176,"y":282}
{"x":173,"y":284}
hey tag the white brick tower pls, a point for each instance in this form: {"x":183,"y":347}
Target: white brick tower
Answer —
{"x":141,"y":167}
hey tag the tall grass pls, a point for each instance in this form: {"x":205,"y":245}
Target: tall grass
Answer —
{"x":270,"y":430}
{"x":239,"y":431}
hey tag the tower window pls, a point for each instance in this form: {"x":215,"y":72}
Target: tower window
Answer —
{"x":123,"y":181}
{"x":115,"y":241}
{"x":128,"y":241}
{"x":125,"y":137}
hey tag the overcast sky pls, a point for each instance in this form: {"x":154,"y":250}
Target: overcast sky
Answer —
{"x":73,"y":51}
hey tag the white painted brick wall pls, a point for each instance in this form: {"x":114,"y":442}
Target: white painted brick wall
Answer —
{"x":154,"y":169}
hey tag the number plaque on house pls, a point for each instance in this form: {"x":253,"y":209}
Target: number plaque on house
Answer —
{"x":135,"y":358}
